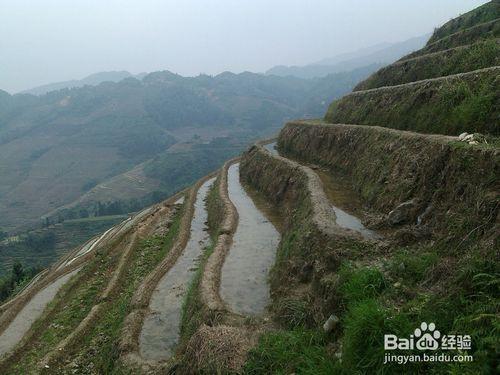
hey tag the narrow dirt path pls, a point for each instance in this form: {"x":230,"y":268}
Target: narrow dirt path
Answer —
{"x":31,"y":312}
{"x":244,"y":285}
{"x":161,"y":328}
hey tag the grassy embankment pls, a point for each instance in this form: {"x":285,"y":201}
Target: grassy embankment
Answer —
{"x":99,"y":348}
{"x":458,"y":60}
{"x":194,"y":313}
{"x":301,"y":301}
{"x":485,"y":13}
{"x":450,"y":105}
{"x":450,"y":280}
{"x":100,"y":344}
{"x":476,"y":33}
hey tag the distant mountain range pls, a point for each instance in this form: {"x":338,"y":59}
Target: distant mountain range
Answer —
{"x":91,"y":80}
{"x":129,"y":143}
{"x":117,"y":137}
{"x":384,"y":53}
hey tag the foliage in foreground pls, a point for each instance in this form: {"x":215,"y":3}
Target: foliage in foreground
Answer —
{"x":19,"y":277}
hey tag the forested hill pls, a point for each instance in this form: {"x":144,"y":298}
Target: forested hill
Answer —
{"x":91,"y":80}
{"x":55,"y":148}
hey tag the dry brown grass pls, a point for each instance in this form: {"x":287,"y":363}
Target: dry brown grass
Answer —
{"x":220,"y":349}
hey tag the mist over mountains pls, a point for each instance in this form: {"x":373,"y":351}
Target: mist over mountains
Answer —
{"x":383,"y":53}
{"x":80,"y":153}
{"x":80,"y":146}
{"x":91,"y":80}
{"x":69,"y":147}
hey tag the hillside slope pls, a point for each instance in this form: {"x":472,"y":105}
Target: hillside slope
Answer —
{"x":300,"y":256}
{"x":450,"y":86}
{"x":54,"y":148}
{"x":91,"y":80}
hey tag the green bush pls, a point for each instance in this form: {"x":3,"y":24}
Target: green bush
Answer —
{"x":18,"y":279}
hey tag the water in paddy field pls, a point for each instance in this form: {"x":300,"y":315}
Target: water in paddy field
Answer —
{"x":271,"y":147}
{"x":161,"y":329}
{"x":244,"y":280}
{"x":340,"y":195}
{"x":180,"y":200}
{"x":31,"y":312}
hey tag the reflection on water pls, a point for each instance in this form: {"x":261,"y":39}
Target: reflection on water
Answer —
{"x":30,"y":313}
{"x":161,"y":328}
{"x":339,"y":191}
{"x":180,"y":200}
{"x":271,"y":147}
{"x":245,"y":271}
{"x":342,"y":198}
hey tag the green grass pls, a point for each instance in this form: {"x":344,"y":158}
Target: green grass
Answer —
{"x":365,"y":321}
{"x":483,"y":31}
{"x":101,"y":344}
{"x":466,"y":104}
{"x":297,"y":351}
{"x":466,"y":302}
{"x":484,"y":13}
{"x":365,"y":324}
{"x":412,"y":266}
{"x":72,"y":303}
{"x":293,"y":312}
{"x":372,"y":307}
{"x":478,"y":56}
{"x":359,"y":284}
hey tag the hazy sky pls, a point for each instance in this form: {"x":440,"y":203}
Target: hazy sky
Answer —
{"x":43,"y":41}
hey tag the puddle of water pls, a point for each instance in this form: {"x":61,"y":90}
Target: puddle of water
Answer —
{"x":87,"y":248}
{"x":31,"y":312}
{"x":271,"y":147}
{"x":338,"y":190}
{"x":270,"y":211}
{"x":244,"y":285}
{"x":161,"y":329}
